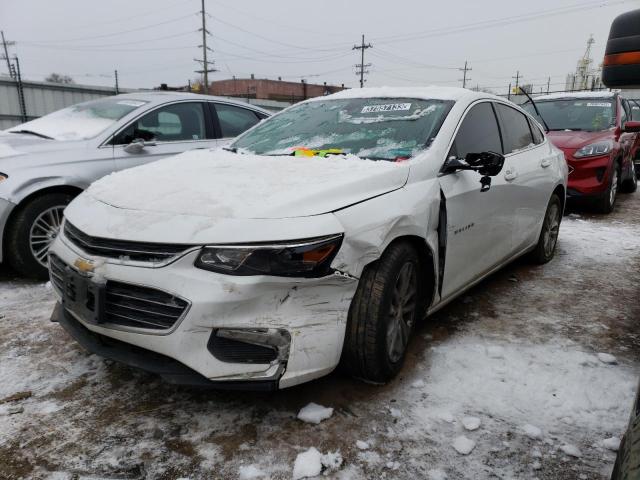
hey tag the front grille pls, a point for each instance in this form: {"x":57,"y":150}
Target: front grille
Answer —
{"x":56,"y":272}
{"x":234,"y":351}
{"x":141,"y":307}
{"x":122,"y":249}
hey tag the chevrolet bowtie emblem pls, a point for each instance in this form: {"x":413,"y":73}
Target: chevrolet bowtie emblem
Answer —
{"x":84,"y":265}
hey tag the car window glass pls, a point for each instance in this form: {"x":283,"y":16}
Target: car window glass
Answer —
{"x":235,"y":120}
{"x":635,"y":110}
{"x":172,"y":123}
{"x":478,"y":132}
{"x":515,"y":129}
{"x":623,"y":113}
{"x":538,"y":137}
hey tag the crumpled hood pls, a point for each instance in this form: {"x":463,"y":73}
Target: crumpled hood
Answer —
{"x":222,"y":185}
{"x":577,"y":139}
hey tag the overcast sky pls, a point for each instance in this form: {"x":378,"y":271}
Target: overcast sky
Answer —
{"x":415,"y":42}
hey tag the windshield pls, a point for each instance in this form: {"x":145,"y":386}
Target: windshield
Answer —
{"x":591,"y":114}
{"x":374,"y":128}
{"x":81,"y":121}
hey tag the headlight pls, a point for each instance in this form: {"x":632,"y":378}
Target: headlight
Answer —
{"x":304,"y":258}
{"x":3,"y":176}
{"x":594,"y":149}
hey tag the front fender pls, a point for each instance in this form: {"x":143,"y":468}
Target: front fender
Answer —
{"x":369,"y":227}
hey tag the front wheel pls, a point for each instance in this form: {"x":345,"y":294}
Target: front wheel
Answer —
{"x":630,"y":185}
{"x":34,"y":228}
{"x":546,"y":246}
{"x":608,"y":200}
{"x":383,"y":314}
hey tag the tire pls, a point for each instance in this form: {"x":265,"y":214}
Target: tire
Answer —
{"x":37,"y":221}
{"x":376,"y":339}
{"x":546,"y":247}
{"x":630,"y":185}
{"x":606,"y":203}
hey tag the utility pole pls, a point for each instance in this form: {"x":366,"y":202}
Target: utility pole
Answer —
{"x":205,"y":64}
{"x":18,"y":77}
{"x":509,"y":93}
{"x":464,"y":76}
{"x":115,"y":74}
{"x":548,"y":84}
{"x":517,"y":79}
{"x":5,"y":44}
{"x":361,"y":66}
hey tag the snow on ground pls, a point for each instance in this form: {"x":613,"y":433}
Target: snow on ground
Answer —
{"x":512,"y":373}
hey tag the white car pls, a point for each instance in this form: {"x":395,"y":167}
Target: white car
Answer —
{"x":320,"y":235}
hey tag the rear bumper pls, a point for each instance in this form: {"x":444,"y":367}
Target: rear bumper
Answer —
{"x":6,"y":207}
{"x":169,"y":369}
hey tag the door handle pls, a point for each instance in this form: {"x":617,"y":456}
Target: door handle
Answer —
{"x":510,"y":175}
{"x":545,"y":162}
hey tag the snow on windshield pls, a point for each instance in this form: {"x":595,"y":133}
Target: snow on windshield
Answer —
{"x":81,"y":121}
{"x":374,"y":128}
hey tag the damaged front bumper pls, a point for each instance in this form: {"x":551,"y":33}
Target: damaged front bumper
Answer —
{"x":235,"y":332}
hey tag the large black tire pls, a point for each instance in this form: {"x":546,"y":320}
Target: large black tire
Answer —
{"x":630,"y":185}
{"x":18,"y":246}
{"x":606,"y":203}
{"x":368,"y":353}
{"x":548,"y":239}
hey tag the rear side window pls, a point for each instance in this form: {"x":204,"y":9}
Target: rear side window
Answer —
{"x":538,"y":137}
{"x":515,"y":129}
{"x":478,"y":133}
{"x":235,"y":120}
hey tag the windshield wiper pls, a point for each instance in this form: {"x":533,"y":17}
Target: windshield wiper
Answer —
{"x":231,"y":149}
{"x":31,"y":132}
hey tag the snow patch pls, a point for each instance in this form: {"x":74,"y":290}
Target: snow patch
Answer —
{"x":314,"y":413}
{"x":436,"y":474}
{"x":463,"y":445}
{"x":611,"y":443}
{"x":248,"y":472}
{"x":307,"y":464}
{"x":607,"y":358}
{"x":532,"y":432}
{"x":571,"y":450}
{"x":471,"y":423}
{"x":362,"y":445}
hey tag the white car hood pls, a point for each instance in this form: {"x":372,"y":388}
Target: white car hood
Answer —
{"x":222,"y":185}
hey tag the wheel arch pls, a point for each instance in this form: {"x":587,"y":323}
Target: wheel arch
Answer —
{"x":562,"y":194}
{"x":68,"y":189}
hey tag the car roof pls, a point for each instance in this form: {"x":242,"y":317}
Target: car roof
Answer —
{"x":571,"y":95}
{"x":162,"y":97}
{"x":427,"y":93}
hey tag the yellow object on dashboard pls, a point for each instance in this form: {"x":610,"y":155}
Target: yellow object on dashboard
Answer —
{"x":308,"y":152}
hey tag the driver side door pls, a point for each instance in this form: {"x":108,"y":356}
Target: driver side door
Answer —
{"x":166,"y":130}
{"x":479,"y":224}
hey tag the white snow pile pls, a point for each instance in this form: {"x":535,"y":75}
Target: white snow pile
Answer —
{"x":571,"y":450}
{"x":532,"y":432}
{"x":598,"y":242}
{"x":436,"y":474}
{"x":311,"y":462}
{"x":463,"y":445}
{"x":249,"y":472}
{"x":607,"y":358}
{"x":611,"y":443}
{"x":314,"y":413}
{"x":471,"y":423}
{"x":362,"y":445}
{"x":418,"y":384}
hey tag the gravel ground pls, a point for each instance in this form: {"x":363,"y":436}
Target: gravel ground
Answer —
{"x":511,"y":371}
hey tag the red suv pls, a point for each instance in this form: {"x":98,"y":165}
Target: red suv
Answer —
{"x":599,"y":140}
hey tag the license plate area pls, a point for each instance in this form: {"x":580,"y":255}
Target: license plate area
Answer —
{"x":83,"y":297}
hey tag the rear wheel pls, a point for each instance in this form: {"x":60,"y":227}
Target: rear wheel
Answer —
{"x":383,"y":314}
{"x":608,"y":200}
{"x":630,"y":185}
{"x":546,"y":247}
{"x":34,"y":228}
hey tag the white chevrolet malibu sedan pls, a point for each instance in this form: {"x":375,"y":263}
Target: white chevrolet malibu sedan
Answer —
{"x":320,"y":236}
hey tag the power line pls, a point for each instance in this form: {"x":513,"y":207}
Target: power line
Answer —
{"x":464,"y":76}
{"x":360,"y":67}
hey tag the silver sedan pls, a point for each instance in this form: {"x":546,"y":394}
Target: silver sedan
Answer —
{"x":46,"y":162}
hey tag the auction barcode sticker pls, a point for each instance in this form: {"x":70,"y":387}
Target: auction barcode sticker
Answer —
{"x":598,"y":104}
{"x":387,"y":107}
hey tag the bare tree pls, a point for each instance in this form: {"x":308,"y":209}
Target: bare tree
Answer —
{"x":59,"y":78}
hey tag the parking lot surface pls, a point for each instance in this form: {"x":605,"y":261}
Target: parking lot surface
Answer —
{"x":513,"y":371}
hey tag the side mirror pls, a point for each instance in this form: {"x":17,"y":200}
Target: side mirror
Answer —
{"x":621,"y":66}
{"x":137,"y":146}
{"x":630,"y":127}
{"x":485,"y":163}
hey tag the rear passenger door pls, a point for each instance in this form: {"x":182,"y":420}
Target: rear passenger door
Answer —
{"x":232,"y":120}
{"x":528,"y":183}
{"x":478,"y":233}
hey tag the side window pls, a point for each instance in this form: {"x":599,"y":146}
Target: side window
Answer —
{"x":538,"y":137}
{"x":515,"y":129}
{"x":635,"y":110}
{"x":172,"y":123}
{"x":235,"y":120}
{"x":478,"y":133}
{"x":624,"y":113}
